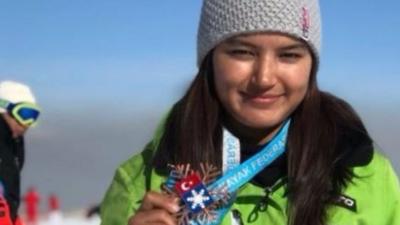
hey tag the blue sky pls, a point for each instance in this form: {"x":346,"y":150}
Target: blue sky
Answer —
{"x":105,"y":71}
{"x":111,"y":49}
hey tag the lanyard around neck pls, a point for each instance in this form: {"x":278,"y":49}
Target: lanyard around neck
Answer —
{"x":235,"y":175}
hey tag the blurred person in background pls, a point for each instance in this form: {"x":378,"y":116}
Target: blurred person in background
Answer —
{"x":288,"y":152}
{"x":18,"y":112}
{"x":55,"y":216}
{"x":32,"y":200}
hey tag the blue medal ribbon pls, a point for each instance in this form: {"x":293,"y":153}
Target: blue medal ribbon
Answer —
{"x":234,"y":178}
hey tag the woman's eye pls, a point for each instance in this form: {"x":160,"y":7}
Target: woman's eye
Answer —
{"x":290,"y":55}
{"x":241,"y":53}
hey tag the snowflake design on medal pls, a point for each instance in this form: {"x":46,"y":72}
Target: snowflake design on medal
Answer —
{"x":198,"y":199}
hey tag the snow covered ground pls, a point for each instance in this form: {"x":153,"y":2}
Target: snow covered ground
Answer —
{"x":72,"y":221}
{"x":77,"y":218}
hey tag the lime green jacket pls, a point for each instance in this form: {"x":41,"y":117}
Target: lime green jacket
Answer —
{"x":375,"y":189}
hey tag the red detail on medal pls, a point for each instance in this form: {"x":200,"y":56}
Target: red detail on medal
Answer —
{"x":187,"y":183}
{"x":197,"y":201}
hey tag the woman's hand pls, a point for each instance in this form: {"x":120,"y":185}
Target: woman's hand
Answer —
{"x":156,"y":209}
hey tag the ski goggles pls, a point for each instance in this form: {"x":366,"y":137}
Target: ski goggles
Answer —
{"x":23,"y":112}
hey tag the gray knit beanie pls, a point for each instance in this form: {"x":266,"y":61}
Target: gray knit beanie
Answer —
{"x":222,"y":19}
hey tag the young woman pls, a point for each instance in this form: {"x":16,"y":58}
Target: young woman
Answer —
{"x":257,"y":87}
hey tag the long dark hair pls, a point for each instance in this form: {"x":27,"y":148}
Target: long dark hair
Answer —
{"x":316,"y":174}
{"x":193,"y":129}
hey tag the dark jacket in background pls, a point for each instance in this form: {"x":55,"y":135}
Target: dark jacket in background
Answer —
{"x":11,"y":163}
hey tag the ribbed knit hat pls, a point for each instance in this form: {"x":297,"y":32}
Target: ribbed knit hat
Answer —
{"x":15,"y":92}
{"x":222,"y":19}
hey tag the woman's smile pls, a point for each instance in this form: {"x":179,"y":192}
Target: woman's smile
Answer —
{"x":265,"y":100}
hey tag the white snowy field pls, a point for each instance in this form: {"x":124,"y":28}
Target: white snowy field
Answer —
{"x":77,"y":218}
{"x":72,"y":221}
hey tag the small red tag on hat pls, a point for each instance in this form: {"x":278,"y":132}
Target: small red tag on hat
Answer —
{"x":306,"y":23}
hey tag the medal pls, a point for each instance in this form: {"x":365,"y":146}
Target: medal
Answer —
{"x":206,"y":199}
{"x":198,"y":201}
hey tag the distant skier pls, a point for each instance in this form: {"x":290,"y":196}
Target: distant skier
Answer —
{"x":32,"y":199}
{"x":55,"y":215}
{"x":54,"y":203}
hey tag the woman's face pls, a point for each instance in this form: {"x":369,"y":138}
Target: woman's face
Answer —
{"x":260,"y":79}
